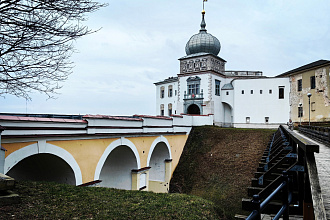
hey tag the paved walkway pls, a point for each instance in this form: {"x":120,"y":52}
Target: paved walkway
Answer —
{"x":322,"y":160}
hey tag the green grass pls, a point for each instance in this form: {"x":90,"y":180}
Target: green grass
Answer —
{"x":45,"y":200}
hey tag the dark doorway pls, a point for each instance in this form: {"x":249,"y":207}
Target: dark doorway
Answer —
{"x":43,"y":167}
{"x":193,"y":110}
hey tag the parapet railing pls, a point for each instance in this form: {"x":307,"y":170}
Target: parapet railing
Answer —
{"x":316,"y":132}
{"x":283,"y":189}
{"x":298,"y":188}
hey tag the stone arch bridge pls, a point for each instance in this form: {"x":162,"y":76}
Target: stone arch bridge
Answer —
{"x":133,"y":153}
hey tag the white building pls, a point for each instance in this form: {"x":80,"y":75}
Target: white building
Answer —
{"x":234,"y":98}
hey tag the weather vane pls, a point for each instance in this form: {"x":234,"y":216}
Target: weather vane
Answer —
{"x":203,"y":5}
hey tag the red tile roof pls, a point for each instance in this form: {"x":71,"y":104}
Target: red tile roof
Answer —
{"x":19,"y":118}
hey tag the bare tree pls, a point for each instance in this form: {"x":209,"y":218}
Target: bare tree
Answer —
{"x":36,"y":42}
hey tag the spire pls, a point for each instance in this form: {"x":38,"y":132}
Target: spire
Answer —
{"x":203,"y":24}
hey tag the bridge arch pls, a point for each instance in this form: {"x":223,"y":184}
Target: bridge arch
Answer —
{"x":46,"y":154}
{"x":116,"y":163}
{"x":160,"y":151}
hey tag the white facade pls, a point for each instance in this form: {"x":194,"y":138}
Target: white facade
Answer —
{"x":206,"y":88}
{"x":258,"y":102}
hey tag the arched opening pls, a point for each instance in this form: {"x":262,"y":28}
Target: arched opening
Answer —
{"x":157,"y":162}
{"x":227,"y":115}
{"x":43,"y":167}
{"x":117,"y":169}
{"x":193,"y":110}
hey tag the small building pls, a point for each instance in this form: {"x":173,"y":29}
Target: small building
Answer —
{"x":313,"y":78}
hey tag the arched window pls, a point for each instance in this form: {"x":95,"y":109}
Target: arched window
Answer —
{"x":193,"y":85}
{"x":170,"y":91}
{"x":162,"y":109}
{"x":169,"y":109}
{"x":162,"y":92}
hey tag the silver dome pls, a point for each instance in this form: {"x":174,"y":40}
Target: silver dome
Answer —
{"x":203,"y":42}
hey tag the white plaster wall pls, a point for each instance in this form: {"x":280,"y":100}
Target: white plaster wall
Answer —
{"x":258,"y":106}
{"x":166,"y":100}
{"x":117,"y":169}
{"x":203,"y":85}
{"x":157,"y":162}
{"x":114,"y":122}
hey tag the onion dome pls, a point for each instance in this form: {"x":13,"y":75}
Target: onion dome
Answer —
{"x":203,"y":41}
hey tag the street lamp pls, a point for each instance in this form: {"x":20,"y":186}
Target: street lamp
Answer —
{"x":300,"y":112}
{"x":309,"y":108}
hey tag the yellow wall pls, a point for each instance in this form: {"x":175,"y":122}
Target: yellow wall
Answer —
{"x":320,"y":95}
{"x":87,"y":153}
{"x":12,"y":147}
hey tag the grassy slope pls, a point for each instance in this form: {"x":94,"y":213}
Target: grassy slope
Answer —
{"x":217,"y":164}
{"x":42,"y":200}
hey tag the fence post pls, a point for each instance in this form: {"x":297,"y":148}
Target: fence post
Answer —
{"x":256,"y":206}
{"x":285,"y":195}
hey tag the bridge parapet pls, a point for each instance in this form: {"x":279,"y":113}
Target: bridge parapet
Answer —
{"x":89,"y":125}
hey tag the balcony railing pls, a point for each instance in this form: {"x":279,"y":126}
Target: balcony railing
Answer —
{"x":243,"y":73}
{"x":193,"y":96}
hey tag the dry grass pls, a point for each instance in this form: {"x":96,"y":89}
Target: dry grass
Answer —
{"x":218,"y":164}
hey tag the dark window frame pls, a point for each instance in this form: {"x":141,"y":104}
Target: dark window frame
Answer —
{"x":299,"y":85}
{"x":312,"y":81}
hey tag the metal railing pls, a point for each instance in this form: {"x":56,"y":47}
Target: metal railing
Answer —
{"x":316,"y":132}
{"x":297,"y":188}
{"x":193,"y":96}
{"x":283,"y":189}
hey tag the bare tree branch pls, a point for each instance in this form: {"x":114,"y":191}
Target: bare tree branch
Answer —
{"x":36,"y":43}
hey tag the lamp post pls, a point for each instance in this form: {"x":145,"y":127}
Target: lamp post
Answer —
{"x":300,"y":112}
{"x":309,"y":108}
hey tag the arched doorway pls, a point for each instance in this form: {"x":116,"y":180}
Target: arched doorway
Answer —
{"x":117,"y":169}
{"x":227,"y":115}
{"x":193,"y":109}
{"x":157,"y":162}
{"x":43,"y":167}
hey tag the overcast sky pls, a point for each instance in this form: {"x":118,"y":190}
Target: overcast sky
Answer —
{"x":141,"y":40}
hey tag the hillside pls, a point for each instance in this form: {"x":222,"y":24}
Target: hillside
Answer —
{"x":218,"y":163}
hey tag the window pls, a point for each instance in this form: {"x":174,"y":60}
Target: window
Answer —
{"x":299,"y":84}
{"x":312,"y":82}
{"x":247,"y":120}
{"x":162,"y":109}
{"x":270,"y":91}
{"x":162,"y":92}
{"x":242,"y":92}
{"x":170,"y":91}
{"x":217,"y":87}
{"x":266,"y":119}
{"x":281,"y":92}
{"x":227,"y":93}
{"x":193,"y":85}
{"x":170,"y":109}
{"x":176,"y":92}
{"x":300,"y":112}
{"x":251,"y":91}
{"x":193,"y":89}
{"x":260,"y":91}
